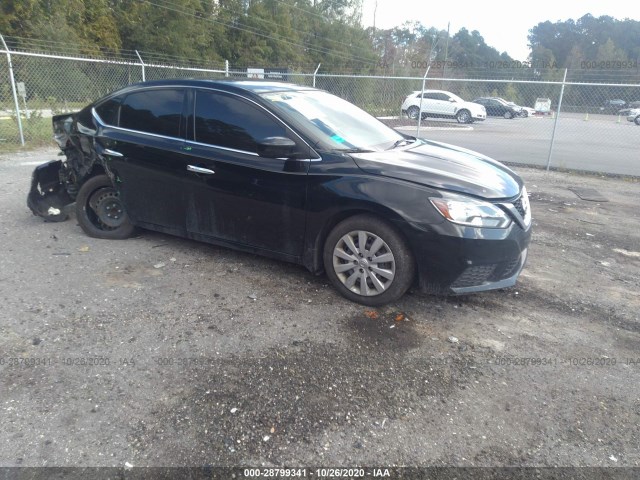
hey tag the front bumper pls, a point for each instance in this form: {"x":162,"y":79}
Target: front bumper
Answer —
{"x":457,"y":260}
{"x":490,"y":277}
{"x":48,"y":198}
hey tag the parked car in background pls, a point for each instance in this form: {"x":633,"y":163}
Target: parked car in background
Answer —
{"x":521,"y":110}
{"x":631,"y":106}
{"x":529,"y":111}
{"x":543,"y":106}
{"x":497,"y":107}
{"x":634,"y":116}
{"x":442,"y":104}
{"x":524,"y":111}
{"x":613,"y":106}
{"x":293,"y":173}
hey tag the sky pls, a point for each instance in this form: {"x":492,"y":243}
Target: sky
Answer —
{"x":504,"y":25}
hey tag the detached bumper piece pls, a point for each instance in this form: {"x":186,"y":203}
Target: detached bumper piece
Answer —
{"x":48,"y":197}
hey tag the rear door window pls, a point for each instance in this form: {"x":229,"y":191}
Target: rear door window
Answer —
{"x":155,"y":111}
{"x":108,"y":111}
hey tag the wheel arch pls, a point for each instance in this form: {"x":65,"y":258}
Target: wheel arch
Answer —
{"x":467,"y":111}
{"x":96,"y":169}
{"x":313,"y":256}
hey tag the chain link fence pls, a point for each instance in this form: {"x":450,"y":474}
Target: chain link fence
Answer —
{"x":579,"y":123}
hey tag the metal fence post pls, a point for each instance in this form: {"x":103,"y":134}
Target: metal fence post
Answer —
{"x":424,"y":81}
{"x":314,"y":75}
{"x":555,"y":122}
{"x":226,"y":68}
{"x":13,"y":89}
{"x":140,"y":58}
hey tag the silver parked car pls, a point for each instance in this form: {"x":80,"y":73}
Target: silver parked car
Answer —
{"x":442,"y":104}
{"x":634,"y":116}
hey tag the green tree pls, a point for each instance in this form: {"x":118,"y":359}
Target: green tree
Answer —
{"x":586,"y":39}
{"x":180,"y":28}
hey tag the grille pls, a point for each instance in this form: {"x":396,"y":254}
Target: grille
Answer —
{"x":480,"y":274}
{"x":474,"y":276}
{"x":510,"y":268}
{"x":520,"y":207}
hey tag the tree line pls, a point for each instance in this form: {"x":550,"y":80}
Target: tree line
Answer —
{"x":300,"y":34}
{"x":304,"y":32}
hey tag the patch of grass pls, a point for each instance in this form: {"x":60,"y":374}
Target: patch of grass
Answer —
{"x":37,"y":133}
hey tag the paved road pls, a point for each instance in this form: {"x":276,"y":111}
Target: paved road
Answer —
{"x":598,"y":144}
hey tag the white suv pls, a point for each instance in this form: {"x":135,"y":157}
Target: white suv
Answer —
{"x":443,"y":104}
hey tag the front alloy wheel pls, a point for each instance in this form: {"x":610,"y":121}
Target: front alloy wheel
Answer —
{"x":463,"y":116}
{"x":364,"y":263}
{"x":412,"y":113}
{"x":368,"y":261}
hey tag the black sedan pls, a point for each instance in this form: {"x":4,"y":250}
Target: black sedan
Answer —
{"x":497,"y":107}
{"x":292,"y":173}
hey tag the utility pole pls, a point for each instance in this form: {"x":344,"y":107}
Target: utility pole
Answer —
{"x":446,"y":52}
{"x":375,"y":9}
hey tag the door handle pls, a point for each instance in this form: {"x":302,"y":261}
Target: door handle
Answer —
{"x":205,"y":171}
{"x":112,"y":153}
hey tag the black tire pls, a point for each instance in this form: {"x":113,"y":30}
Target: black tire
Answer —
{"x":637,"y":120}
{"x":98,"y":201}
{"x":412,"y":112}
{"x":379,"y":289}
{"x":508,"y":115}
{"x":464,"y":116}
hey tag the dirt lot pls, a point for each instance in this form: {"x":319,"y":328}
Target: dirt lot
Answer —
{"x":157,"y":351}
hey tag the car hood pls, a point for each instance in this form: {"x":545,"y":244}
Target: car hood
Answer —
{"x":443,"y":166}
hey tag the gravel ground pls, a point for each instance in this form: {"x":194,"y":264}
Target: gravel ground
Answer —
{"x":158,"y":351}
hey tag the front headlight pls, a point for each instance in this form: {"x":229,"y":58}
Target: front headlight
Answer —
{"x":471,"y":212}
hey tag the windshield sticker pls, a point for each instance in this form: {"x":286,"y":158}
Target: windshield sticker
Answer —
{"x":337,"y":139}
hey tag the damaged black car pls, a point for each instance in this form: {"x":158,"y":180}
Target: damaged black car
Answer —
{"x":293,"y":173}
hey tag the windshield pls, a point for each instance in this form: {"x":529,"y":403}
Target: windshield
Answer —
{"x":335,"y":123}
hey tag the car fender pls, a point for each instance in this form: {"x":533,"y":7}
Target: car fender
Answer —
{"x":330,"y":200}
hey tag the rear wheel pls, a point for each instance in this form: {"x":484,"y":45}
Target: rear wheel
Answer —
{"x":463,"y":116}
{"x":637,"y":120}
{"x":368,"y":261}
{"x":100,"y":211}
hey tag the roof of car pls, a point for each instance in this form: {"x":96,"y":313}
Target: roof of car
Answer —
{"x":432,"y":90}
{"x":499,"y":99}
{"x":255,"y":86}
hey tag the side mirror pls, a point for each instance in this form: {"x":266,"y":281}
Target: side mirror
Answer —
{"x":452,"y":100}
{"x":276,"y":147}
